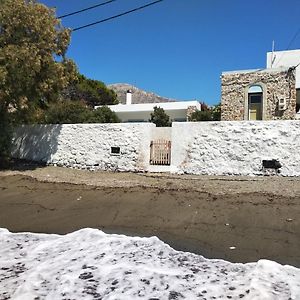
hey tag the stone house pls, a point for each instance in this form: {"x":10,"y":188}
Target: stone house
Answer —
{"x":263,"y":94}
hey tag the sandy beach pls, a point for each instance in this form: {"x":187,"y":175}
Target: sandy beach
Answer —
{"x":240,"y":219}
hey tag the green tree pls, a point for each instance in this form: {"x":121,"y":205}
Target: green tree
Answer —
{"x":160,"y":118}
{"x":74,"y":112}
{"x":93,"y":92}
{"x":33,"y":66}
{"x":67,"y":112}
{"x":103,"y":115}
{"x":216,"y":112}
{"x":201,"y":115}
{"x":206,"y":113}
{"x":5,"y":136}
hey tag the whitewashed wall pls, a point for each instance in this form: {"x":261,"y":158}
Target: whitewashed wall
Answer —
{"x":86,"y":145}
{"x":235,"y":148}
{"x":214,"y":148}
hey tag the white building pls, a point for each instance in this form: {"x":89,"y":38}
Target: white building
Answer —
{"x":177,"y":111}
{"x":288,"y":59}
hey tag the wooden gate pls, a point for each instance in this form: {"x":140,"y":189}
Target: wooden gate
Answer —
{"x":160,"y":152}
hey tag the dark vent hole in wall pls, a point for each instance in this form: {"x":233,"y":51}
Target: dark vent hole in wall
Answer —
{"x":115,"y":150}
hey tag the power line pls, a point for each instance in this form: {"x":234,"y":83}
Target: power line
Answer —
{"x":289,"y":45}
{"x":293,"y":39}
{"x":116,"y":16}
{"x":85,"y":9}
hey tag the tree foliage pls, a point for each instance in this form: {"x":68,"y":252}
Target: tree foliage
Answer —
{"x":216,"y":112}
{"x":67,"y":112}
{"x":160,"y":118}
{"x":33,"y":66}
{"x":103,"y":115}
{"x":5,"y":136}
{"x":92,"y":92}
{"x":74,"y":112}
{"x":206,"y":114}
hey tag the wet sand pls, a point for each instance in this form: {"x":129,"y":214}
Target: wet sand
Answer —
{"x":258,"y":216}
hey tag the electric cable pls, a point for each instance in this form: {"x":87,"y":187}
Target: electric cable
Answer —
{"x":85,"y":9}
{"x":289,"y":45}
{"x":116,"y":16}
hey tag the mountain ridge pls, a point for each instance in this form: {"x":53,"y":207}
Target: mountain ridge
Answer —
{"x":138,"y":95}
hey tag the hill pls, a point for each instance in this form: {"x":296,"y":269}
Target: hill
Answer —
{"x":138,"y":95}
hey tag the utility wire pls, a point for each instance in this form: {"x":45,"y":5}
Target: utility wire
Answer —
{"x":289,"y":45}
{"x":293,"y":39}
{"x":117,"y":16}
{"x":85,"y":9}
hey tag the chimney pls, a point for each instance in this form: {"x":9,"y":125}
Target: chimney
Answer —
{"x":128,"y":97}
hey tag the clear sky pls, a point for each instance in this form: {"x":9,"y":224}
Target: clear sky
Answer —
{"x":178,"y":48}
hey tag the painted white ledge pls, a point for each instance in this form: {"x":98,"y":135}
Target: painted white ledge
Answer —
{"x":147,"y":107}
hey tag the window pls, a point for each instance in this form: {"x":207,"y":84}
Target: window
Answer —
{"x":115,"y":150}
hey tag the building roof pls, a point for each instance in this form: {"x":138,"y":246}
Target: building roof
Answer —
{"x":267,"y":70}
{"x":288,"y":58}
{"x":150,"y":106}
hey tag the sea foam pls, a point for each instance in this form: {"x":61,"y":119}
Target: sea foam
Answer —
{"x":89,"y":264}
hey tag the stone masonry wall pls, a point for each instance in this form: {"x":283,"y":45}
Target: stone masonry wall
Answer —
{"x":276,"y":83}
{"x":86,"y":146}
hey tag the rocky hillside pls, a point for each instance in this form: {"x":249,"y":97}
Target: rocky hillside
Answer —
{"x":138,"y":95}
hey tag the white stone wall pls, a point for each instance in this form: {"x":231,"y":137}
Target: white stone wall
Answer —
{"x":86,"y":146}
{"x":162,"y":133}
{"x":213,"y":148}
{"x":235,"y":148}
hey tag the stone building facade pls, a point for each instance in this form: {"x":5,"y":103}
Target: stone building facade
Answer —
{"x":190,"y":111}
{"x":268,"y":94}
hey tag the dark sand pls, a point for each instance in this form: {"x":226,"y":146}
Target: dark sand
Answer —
{"x":259,"y":216}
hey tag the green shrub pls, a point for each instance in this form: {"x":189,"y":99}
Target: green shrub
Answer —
{"x":67,"y":112}
{"x":206,"y":114}
{"x":5,"y":137}
{"x":160,"y":118}
{"x":74,"y":112}
{"x":201,"y":115}
{"x":103,"y":115}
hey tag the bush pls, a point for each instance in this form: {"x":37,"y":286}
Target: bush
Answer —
{"x":67,"y":112}
{"x":103,"y":115}
{"x":201,"y":115}
{"x":216,"y":112}
{"x":207,"y":114}
{"x":5,"y":137}
{"x":73,"y":112}
{"x":160,"y":118}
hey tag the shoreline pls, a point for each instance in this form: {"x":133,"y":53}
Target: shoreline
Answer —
{"x":200,"y":214}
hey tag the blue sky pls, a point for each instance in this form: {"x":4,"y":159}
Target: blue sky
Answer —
{"x":178,"y":48}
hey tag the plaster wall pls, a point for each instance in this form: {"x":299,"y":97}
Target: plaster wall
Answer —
{"x":144,"y":116}
{"x":235,"y":148}
{"x":213,"y":148}
{"x":141,"y":112}
{"x":86,"y":146}
{"x":162,"y":133}
{"x":290,"y":58}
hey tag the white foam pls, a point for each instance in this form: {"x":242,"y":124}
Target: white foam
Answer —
{"x":89,"y":264}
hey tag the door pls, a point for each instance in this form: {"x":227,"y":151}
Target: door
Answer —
{"x":255,"y":106}
{"x":160,"y":153}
